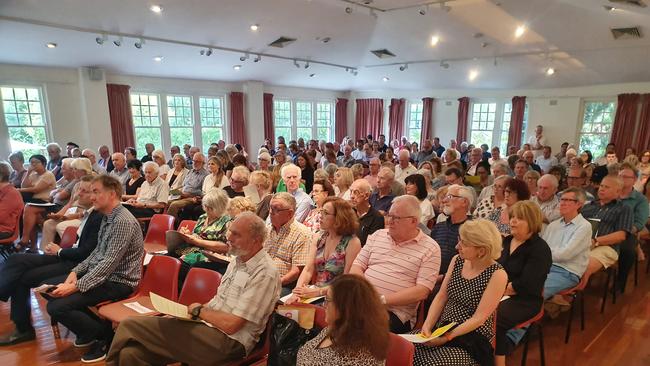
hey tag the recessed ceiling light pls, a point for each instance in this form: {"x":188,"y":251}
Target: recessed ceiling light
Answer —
{"x":156,"y":8}
{"x":550,"y":71}
{"x":434,"y":40}
{"x":520,"y":31}
{"x":158,"y":58}
{"x":236,"y":67}
{"x":472,"y":75}
{"x":385,"y":79}
{"x":51,"y":45}
{"x":609,"y":8}
{"x":255,"y":27}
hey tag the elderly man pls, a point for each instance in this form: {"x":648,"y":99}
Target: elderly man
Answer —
{"x":538,"y":141}
{"x":476,"y":159}
{"x":24,"y":271}
{"x":110,"y":273}
{"x":347,"y":156}
{"x":193,"y":150}
{"x":236,"y":315}
{"x":426,"y":153}
{"x":529,"y":156}
{"x":288,"y":240}
{"x":370,"y":220}
{"x":404,"y":168}
{"x":389,"y":251}
{"x":291,"y":176}
{"x":372,"y":176}
{"x":454,"y":176}
{"x":238,"y":180}
{"x":382,"y":198}
{"x":569,"y":238}
{"x":104,"y":158}
{"x":457,"y":205}
{"x":638,"y":205}
{"x":192,"y":185}
{"x":615,"y":221}
{"x":120,"y":171}
{"x":149,"y":148}
{"x":546,"y":199}
{"x":90,"y":155}
{"x":546,"y":161}
{"x":173,"y":151}
{"x":499,"y":168}
{"x":55,"y":159}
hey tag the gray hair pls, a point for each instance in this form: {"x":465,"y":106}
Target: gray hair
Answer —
{"x":388,"y":172}
{"x":5,"y":171}
{"x":467,"y":193}
{"x":18,"y":155}
{"x":580,"y":194}
{"x":551,"y":178}
{"x":287,"y":198}
{"x":231,"y":150}
{"x":53,"y":145}
{"x":290,"y":166}
{"x":83,"y":164}
{"x":411,"y":204}
{"x":159,"y":153}
{"x":67,"y":162}
{"x":242,"y":172}
{"x":216,"y":199}
{"x":151,"y":164}
{"x":331,"y":169}
{"x":500,"y":164}
{"x":362,"y":185}
{"x":320,"y":173}
{"x":256,"y":226}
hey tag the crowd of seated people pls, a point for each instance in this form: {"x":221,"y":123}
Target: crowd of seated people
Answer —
{"x":416,"y":224}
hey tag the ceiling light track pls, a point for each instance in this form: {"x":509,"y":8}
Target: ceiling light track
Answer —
{"x":442,"y":4}
{"x":121,"y":35}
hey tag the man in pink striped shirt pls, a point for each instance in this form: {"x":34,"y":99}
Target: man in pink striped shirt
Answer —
{"x":401,"y":262}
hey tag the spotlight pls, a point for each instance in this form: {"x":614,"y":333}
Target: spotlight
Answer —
{"x":347,"y":69}
{"x":307,"y":65}
{"x":609,"y":8}
{"x":403,"y":67}
{"x":355,"y":72}
{"x":385,"y":79}
{"x":102,"y":39}
{"x":473,"y":74}
{"x":520,"y":31}
{"x":139,"y":44}
{"x":118,"y":42}
{"x":348,"y":10}
{"x":245,"y":57}
{"x":255,"y":27}
{"x":434,"y":40}
{"x":51,"y":45}
{"x":208,"y":52}
{"x":295,"y":63}
{"x":257,"y":59}
{"x":444,"y":64}
{"x":158,"y":58}
{"x":550,"y":71}
{"x":423,"y":10}
{"x":312,"y":75}
{"x":236,"y":67}
{"x":202,"y":52}
{"x":156,"y":9}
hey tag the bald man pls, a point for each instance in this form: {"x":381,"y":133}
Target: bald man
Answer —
{"x":90,"y":155}
{"x":546,"y":197}
{"x":404,"y":168}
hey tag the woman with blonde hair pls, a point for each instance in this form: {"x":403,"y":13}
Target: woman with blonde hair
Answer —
{"x":158,"y":157}
{"x":343,"y":179}
{"x":469,"y":296}
{"x":263,"y":182}
{"x":176,"y":177}
{"x":239,"y":204}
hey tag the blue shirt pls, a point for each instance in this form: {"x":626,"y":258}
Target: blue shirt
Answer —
{"x":193,"y":183}
{"x":446,"y":235}
{"x":381,"y":203}
{"x":613,"y":217}
{"x":637,"y":202}
{"x":303,"y":205}
{"x":570,"y":243}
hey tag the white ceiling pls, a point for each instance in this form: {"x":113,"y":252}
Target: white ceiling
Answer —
{"x":576,"y":31}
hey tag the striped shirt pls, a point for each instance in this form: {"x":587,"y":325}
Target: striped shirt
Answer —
{"x":248,"y":290}
{"x":193,"y":182}
{"x":392,"y":267}
{"x":118,"y":255}
{"x":613,"y":216}
{"x":288,"y":246}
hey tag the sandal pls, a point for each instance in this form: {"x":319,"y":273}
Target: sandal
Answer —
{"x":21,"y":246}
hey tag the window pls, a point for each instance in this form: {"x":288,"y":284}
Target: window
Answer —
{"x":146,"y":121}
{"x":25,"y":119}
{"x":211,"y":121}
{"x":482,"y":123}
{"x":309,"y":120}
{"x":505,"y":127}
{"x":181,"y":123}
{"x":597,"y":121}
{"x":414,"y":122}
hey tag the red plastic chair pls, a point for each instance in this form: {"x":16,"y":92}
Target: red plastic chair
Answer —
{"x":188,"y":224}
{"x":69,"y":237}
{"x":400,"y":351}
{"x":535,"y":321}
{"x":200,"y":286}
{"x":161,"y":277}
{"x":6,"y":245}
{"x":158,"y":226}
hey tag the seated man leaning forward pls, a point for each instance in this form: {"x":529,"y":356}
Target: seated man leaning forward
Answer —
{"x":401,"y":262}
{"x":237,"y":314}
{"x":111,"y":272}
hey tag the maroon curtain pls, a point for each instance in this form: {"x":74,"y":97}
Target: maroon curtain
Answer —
{"x":624,"y":122}
{"x":341,"y":119}
{"x":269,"y":131}
{"x":237,"y":128}
{"x":119,"y":110}
{"x":427,"y":119}
{"x":643,"y":136}
{"x":369,"y":117}
{"x":463,"y":112}
{"x":516,"y":121}
{"x":396,"y":119}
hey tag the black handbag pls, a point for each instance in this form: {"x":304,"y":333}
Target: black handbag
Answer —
{"x":286,"y":338}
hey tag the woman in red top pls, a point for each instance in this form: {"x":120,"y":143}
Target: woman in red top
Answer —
{"x":11,"y":202}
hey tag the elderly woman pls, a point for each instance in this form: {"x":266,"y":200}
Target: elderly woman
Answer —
{"x":209,"y":234}
{"x":357,"y":171}
{"x":72,"y":213}
{"x":158,"y":157}
{"x":38,"y":182}
{"x":17,"y":161}
{"x":322,"y":190}
{"x":469,"y":296}
{"x":153,"y":194}
{"x":238,"y":180}
{"x":416,"y":186}
{"x":135,"y":181}
{"x":486,"y":205}
{"x":262,"y":182}
{"x":514,"y":190}
{"x":531,"y":177}
{"x":264,"y":161}
{"x":365,"y":343}
{"x":11,"y":203}
{"x":238,"y":205}
{"x":176,"y":176}
{"x":343,"y":179}
{"x":527,"y":259}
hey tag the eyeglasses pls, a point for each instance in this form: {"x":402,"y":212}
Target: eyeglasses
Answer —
{"x":572,"y":178}
{"x":395,"y":217}
{"x":273,"y":210}
{"x":450,"y":196}
{"x":568,"y":200}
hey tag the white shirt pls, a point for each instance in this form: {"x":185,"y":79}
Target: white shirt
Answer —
{"x":546,"y":164}
{"x":401,"y":174}
{"x":209,"y":183}
{"x":537,"y":149}
{"x":154,"y":192}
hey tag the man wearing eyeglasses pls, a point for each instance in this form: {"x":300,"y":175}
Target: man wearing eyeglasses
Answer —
{"x":546,"y":198}
{"x":401,"y":262}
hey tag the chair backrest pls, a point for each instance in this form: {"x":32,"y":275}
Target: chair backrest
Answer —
{"x":16,"y":232}
{"x":158,"y":226}
{"x":161,"y":277}
{"x":200,"y":286}
{"x":400,"y":351}
{"x":188,"y":224}
{"x":69,"y":237}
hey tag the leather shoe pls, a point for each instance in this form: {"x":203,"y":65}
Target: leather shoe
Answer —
{"x":17,"y":337}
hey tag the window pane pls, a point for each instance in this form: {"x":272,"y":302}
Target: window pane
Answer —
{"x":210,"y":135}
{"x":324,"y":133}
{"x":305,"y":133}
{"x":483,"y":123}
{"x":30,"y":140}
{"x":145,"y":110}
{"x":210,"y":112}
{"x":596,"y":127}
{"x":25,"y":119}
{"x":303,"y":114}
{"x":282,"y":113}
{"x":145,"y":135}
{"x":181,"y":136}
{"x":179,"y":112}
{"x":283,"y":131}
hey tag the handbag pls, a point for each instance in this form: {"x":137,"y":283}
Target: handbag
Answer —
{"x":286,"y":338}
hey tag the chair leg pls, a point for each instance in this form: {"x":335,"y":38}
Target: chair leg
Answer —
{"x":55,"y":329}
{"x":524,"y":355}
{"x":568,"y":325}
{"x":614,"y":286}
{"x":541,"y":344}
{"x":609,"y":275}
{"x":582,"y":310}
{"x":636,"y":273}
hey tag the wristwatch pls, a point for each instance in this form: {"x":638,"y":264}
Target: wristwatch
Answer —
{"x":196,"y":312}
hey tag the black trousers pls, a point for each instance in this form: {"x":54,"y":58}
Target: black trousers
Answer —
{"x":396,"y":325}
{"x":626,"y":258}
{"x":24,"y":271}
{"x":141,"y":211}
{"x":5,"y":235}
{"x":72,"y":311}
{"x":510,"y":313}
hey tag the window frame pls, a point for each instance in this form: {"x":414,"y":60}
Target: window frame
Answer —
{"x":498,"y":129}
{"x":581,"y":121}
{"x":293,"y":117}
{"x":45,"y":112}
{"x":407,"y":121}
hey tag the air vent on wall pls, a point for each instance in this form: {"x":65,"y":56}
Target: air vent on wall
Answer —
{"x":552,"y":102}
{"x":282,"y":42}
{"x":383,"y":53}
{"x":626,"y":33}
{"x":638,"y":3}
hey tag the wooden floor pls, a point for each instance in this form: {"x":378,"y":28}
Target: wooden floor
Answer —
{"x":620,"y":336}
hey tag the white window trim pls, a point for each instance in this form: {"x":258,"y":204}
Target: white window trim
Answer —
{"x":407,"y":119}
{"x":45,"y":109}
{"x":294,"y":114}
{"x":581,"y":117}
